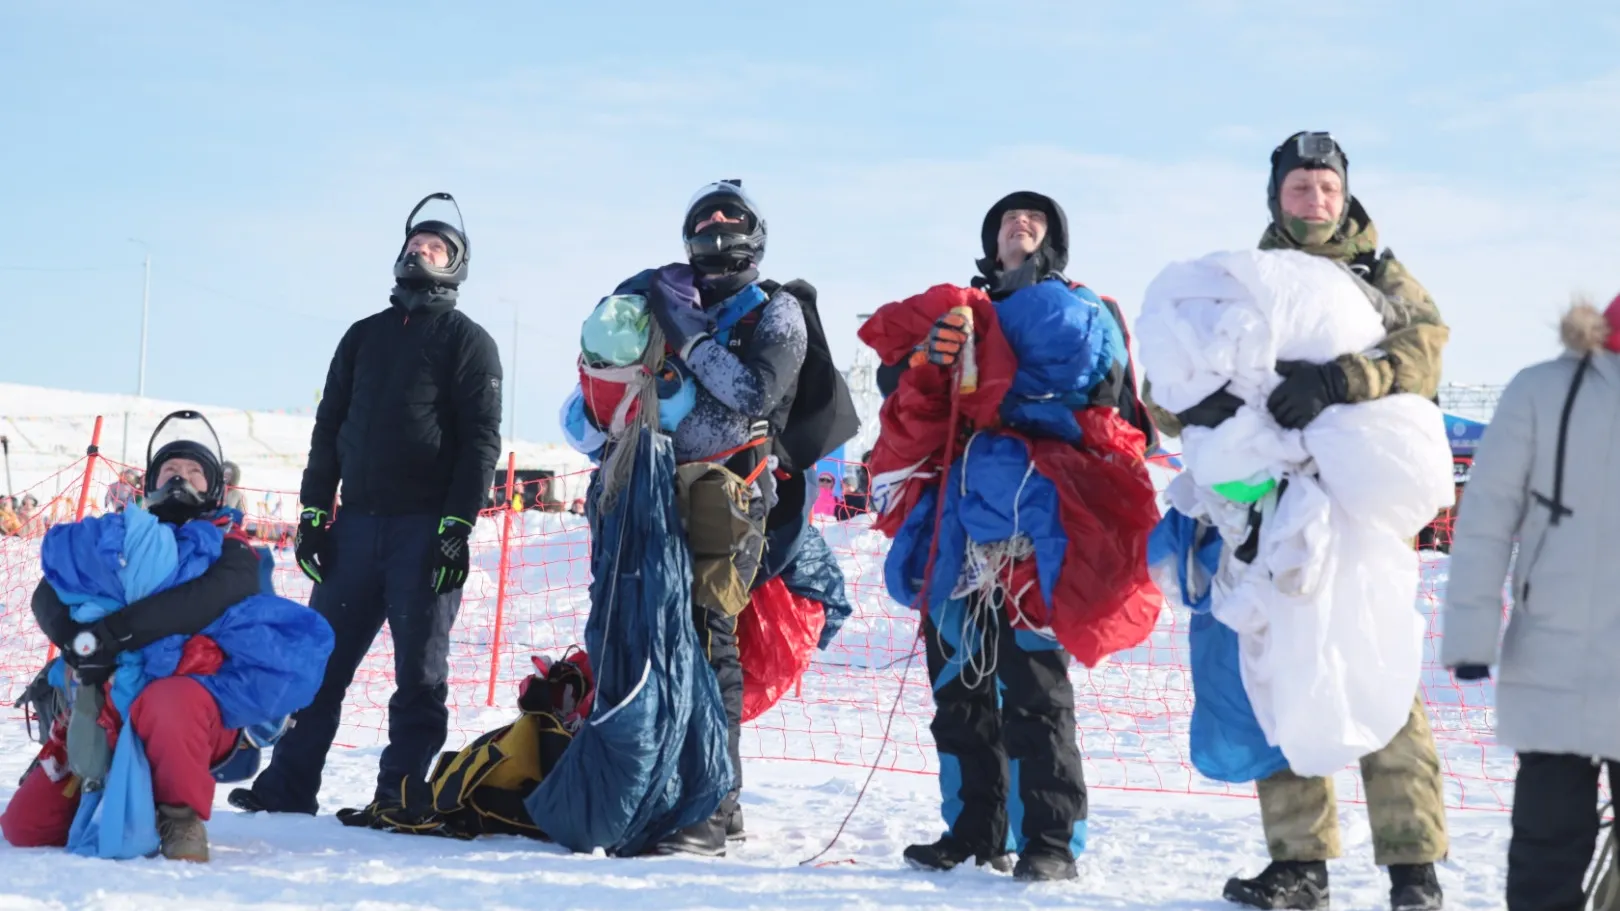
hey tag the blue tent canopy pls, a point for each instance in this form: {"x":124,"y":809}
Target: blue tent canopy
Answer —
{"x":1464,"y":434}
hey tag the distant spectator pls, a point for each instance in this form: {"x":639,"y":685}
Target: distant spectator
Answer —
{"x":31,"y":524}
{"x":127,"y":490}
{"x":826,"y":496}
{"x":855,"y":500}
{"x":234,"y":498}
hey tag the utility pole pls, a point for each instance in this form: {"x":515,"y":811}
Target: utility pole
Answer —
{"x":512,"y":386}
{"x":146,"y":304}
{"x":510,"y":392}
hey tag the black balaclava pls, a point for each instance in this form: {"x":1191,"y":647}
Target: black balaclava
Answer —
{"x":417,"y":283}
{"x":177,"y":502}
{"x":1312,"y":151}
{"x":1051,"y":258}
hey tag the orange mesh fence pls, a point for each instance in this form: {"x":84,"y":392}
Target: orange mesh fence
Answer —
{"x":1133,"y":712}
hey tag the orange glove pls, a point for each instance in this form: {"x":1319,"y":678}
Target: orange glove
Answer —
{"x":945,"y":342}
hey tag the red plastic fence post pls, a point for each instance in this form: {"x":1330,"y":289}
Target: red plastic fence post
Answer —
{"x":500,"y":584}
{"x":84,"y":495}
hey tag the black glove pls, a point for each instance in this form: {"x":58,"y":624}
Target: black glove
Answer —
{"x":313,"y":551}
{"x":1305,"y":391}
{"x":1471,"y":672}
{"x":96,"y":665}
{"x":450,"y":558}
{"x":1212,"y":411}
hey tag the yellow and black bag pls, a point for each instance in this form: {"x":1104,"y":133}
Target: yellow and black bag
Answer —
{"x":480,"y":788}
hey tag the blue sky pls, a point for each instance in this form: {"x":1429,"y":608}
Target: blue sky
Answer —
{"x":267,"y":156}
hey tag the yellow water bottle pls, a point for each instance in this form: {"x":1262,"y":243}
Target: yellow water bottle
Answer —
{"x":968,"y":382}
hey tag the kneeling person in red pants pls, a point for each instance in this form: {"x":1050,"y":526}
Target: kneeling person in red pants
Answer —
{"x":177,"y":719}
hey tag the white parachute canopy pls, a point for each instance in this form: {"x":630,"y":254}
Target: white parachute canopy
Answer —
{"x":1331,"y":641}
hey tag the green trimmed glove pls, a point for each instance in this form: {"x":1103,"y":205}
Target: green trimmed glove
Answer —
{"x":313,"y":549}
{"x":450,"y":558}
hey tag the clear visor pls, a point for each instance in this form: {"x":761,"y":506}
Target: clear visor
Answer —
{"x":714,"y":196}
{"x":189,"y":426}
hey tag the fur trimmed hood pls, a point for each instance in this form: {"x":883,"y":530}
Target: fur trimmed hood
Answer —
{"x":1585,"y":329}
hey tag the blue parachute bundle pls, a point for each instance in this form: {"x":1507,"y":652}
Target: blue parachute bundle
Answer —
{"x":274,"y":650}
{"x":652,"y":758}
{"x":1225,"y":740}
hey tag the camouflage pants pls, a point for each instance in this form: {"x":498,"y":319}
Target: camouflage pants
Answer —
{"x":1405,"y":803}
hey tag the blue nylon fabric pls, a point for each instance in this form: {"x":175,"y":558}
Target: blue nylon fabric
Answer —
{"x":275,"y":653}
{"x":1061,"y":338}
{"x":1226,"y":742}
{"x":652,"y":759}
{"x":814,"y":573}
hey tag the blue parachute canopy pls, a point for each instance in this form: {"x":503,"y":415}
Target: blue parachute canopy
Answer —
{"x":652,"y":758}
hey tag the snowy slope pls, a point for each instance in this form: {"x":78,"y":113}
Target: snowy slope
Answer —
{"x":50,"y":428}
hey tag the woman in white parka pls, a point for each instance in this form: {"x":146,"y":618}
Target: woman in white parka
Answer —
{"x":1544,"y":477}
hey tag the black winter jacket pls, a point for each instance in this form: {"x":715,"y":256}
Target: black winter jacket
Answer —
{"x":410,"y":420}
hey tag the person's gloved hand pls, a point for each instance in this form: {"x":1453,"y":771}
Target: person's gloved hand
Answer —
{"x":1471,"y":672}
{"x":450,"y":557}
{"x":675,"y":303}
{"x":93,"y":653}
{"x":312,"y":549}
{"x":1306,"y":390}
{"x":947,"y":339}
{"x":1212,"y":411}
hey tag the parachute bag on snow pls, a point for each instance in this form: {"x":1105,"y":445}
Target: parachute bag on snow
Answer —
{"x":480,"y":789}
{"x":822,"y":416}
{"x":726,"y":539}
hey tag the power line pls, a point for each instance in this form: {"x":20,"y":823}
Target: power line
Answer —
{"x":68,"y":268}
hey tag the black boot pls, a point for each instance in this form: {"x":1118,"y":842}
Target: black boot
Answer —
{"x":705,"y":838}
{"x":1297,"y":885}
{"x":248,"y":801}
{"x":734,"y":826}
{"x":1044,"y":868}
{"x":949,"y":853}
{"x":1414,"y":887}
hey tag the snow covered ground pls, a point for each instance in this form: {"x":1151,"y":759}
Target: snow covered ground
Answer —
{"x":1162,"y":837}
{"x":1148,"y":851}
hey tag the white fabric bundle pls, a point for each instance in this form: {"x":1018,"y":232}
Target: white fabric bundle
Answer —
{"x":1331,"y":639}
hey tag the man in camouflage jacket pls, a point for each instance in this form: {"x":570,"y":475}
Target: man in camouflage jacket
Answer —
{"x":1312,"y":210}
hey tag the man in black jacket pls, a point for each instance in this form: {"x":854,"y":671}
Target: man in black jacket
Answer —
{"x":409,"y":422}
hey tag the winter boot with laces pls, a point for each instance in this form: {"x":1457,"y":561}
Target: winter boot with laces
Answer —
{"x":1296,"y":885}
{"x":948,"y":853}
{"x":181,"y":835}
{"x":1045,"y":868}
{"x":1414,"y":887}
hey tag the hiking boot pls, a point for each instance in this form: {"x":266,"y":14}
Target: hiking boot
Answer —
{"x":1044,"y":868}
{"x":705,"y":838}
{"x":1414,"y":887}
{"x":181,"y":835}
{"x":734,"y":826}
{"x":1297,"y":885}
{"x":248,"y":801}
{"x":949,"y":853}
